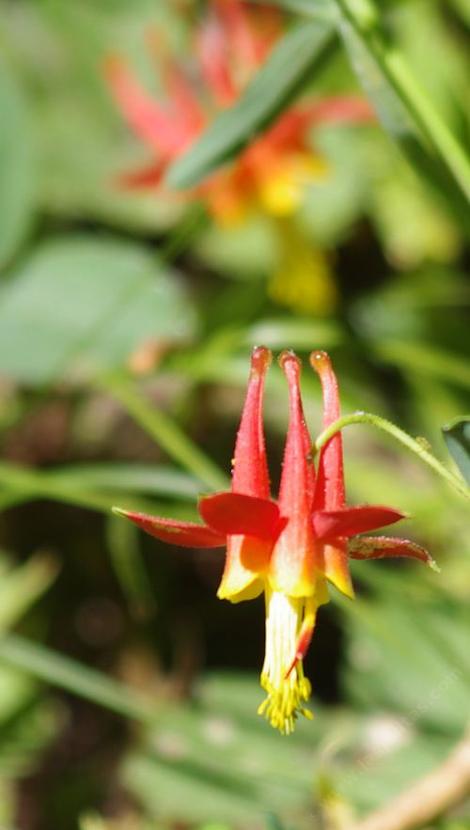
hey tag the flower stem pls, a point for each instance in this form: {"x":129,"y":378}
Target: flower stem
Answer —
{"x":401,"y":436}
{"x":165,"y":432}
{"x":362,"y":15}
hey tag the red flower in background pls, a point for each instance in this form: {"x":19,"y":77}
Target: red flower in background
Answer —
{"x":273,"y":170}
{"x":292,"y":548}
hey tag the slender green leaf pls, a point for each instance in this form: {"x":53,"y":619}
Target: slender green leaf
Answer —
{"x":23,"y":586}
{"x":307,"y":8}
{"x":19,"y":484}
{"x":129,"y":567}
{"x":165,"y":432}
{"x":151,"y":479}
{"x":403,"y":107}
{"x":420,"y":357}
{"x":296,"y":58}
{"x":82,"y":304}
{"x":65,"y":673}
{"x":457,"y":437}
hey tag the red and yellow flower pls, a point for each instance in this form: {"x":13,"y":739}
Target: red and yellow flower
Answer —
{"x":289,"y":549}
{"x":270,"y":175}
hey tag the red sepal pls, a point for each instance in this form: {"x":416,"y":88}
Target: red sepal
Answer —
{"x":332,"y":524}
{"x":149,"y":120}
{"x":184,"y":534}
{"x":234,"y":514}
{"x":145,"y":177}
{"x":379,"y":547}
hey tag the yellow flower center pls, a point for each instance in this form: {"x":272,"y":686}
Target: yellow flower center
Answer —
{"x":287,"y":687}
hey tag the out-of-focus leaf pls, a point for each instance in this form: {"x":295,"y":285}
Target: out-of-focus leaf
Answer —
{"x":425,"y":358}
{"x":22,"y":586}
{"x":298,"y":333}
{"x":82,"y":305}
{"x":387,"y":634}
{"x":295,"y":59}
{"x":17,"y":167}
{"x":19,"y":484}
{"x":54,"y":668}
{"x":27,"y":725}
{"x":463,"y":9}
{"x":307,"y":8}
{"x":151,"y":479}
{"x":457,"y":437}
{"x":129,"y":567}
{"x":399,"y":120}
{"x":219,"y":761}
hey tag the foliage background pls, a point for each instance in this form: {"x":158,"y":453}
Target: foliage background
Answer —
{"x":128,"y":693}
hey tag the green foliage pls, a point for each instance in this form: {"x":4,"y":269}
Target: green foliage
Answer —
{"x":120,"y":665}
{"x":17,"y":166}
{"x":457,"y":437}
{"x":296,"y":58}
{"x":73,"y":310}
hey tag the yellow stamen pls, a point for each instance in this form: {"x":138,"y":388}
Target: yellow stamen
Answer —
{"x":282,"y":676}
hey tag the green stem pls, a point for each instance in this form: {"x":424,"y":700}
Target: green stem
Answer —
{"x":363,"y":18}
{"x":165,"y":432}
{"x":401,"y":436}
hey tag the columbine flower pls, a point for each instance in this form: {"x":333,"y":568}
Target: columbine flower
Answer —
{"x":290,"y":549}
{"x":271,"y":174}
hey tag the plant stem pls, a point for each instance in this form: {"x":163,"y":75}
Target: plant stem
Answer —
{"x":165,"y":432}
{"x":363,"y":18}
{"x":426,"y":799}
{"x":401,"y":436}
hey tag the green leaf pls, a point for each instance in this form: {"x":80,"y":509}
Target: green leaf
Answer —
{"x":19,"y":484}
{"x":218,"y":760}
{"x":307,"y":8}
{"x":295,"y":59}
{"x":81,"y":305}
{"x":152,"y":479}
{"x":23,"y":586}
{"x":404,"y":110}
{"x":17,"y":167}
{"x":129,"y":567}
{"x":54,"y":668}
{"x":457,"y":437}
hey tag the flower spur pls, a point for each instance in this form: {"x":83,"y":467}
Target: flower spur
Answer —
{"x":290,"y":549}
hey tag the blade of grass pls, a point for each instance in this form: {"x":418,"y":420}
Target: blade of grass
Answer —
{"x":364,"y":21}
{"x":74,"y":677}
{"x":24,"y":484}
{"x":129,"y":567}
{"x":23,"y":586}
{"x":163,"y":429}
{"x":299,"y":54}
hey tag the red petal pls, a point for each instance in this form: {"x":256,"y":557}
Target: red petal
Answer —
{"x":212,"y":48}
{"x":249,"y":34}
{"x":180,"y":92}
{"x":250,"y":470}
{"x":148,"y":119}
{"x":184,"y":534}
{"x":379,"y":547}
{"x":329,"y":492}
{"x":234,"y":513}
{"x":332,"y":524}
